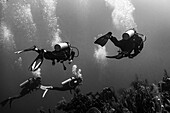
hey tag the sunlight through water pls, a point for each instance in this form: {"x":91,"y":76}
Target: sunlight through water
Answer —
{"x":49,"y":14}
{"x":122,"y":13}
{"x":100,"y":55}
{"x":24,"y":19}
{"x":6,"y":37}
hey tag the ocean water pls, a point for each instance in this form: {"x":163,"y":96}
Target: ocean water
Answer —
{"x":24,"y":23}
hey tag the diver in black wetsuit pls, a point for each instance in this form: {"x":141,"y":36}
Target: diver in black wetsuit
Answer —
{"x":71,"y":83}
{"x":27,"y":86}
{"x":127,"y":44}
{"x":62,"y":52}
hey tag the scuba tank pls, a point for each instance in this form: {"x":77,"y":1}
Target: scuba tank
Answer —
{"x":129,"y":33}
{"x":68,"y":80}
{"x":61,"y":46}
{"x":31,"y":81}
{"x":24,"y":83}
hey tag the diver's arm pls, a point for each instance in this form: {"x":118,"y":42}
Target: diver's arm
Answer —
{"x":142,"y":35}
{"x":59,"y":88}
{"x":45,"y":88}
{"x":34,"y":48}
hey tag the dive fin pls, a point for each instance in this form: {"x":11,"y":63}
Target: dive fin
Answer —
{"x":36,"y":63}
{"x":119,"y":56}
{"x":103,"y":39}
{"x":111,"y":56}
{"x":3,"y":103}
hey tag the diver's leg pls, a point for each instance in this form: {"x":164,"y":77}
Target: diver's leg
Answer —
{"x":138,"y":46}
{"x":53,"y":62}
{"x":136,"y":52}
{"x":23,"y":92}
{"x":115,"y":41}
{"x":64,"y":67}
{"x":34,"y":48}
{"x":4,"y":102}
{"x":141,"y":46}
{"x":11,"y":99}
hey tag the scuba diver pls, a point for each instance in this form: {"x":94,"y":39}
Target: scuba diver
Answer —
{"x":63,"y":52}
{"x":71,"y":83}
{"x":27,"y":86}
{"x":131,"y":42}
